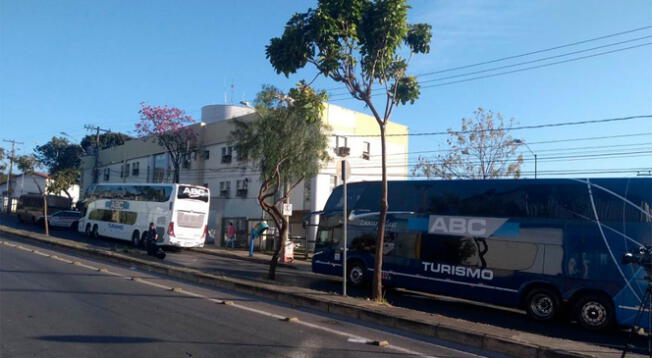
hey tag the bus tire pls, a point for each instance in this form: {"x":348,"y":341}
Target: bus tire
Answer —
{"x":542,"y":304}
{"x":357,"y":274}
{"x":594,"y":312}
{"x":95,"y":233}
{"x":87,"y":230}
{"x":135,"y":239}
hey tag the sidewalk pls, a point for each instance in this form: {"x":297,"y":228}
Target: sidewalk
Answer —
{"x":242,"y":254}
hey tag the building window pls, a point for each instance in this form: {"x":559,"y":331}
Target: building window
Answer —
{"x":225,"y":189}
{"x":366,"y":149}
{"x":341,"y":146}
{"x":241,"y":188}
{"x":107,"y":174}
{"x":122,"y":170}
{"x":127,"y":168}
{"x":160,"y":164}
{"x":135,"y":169}
{"x":340,"y":141}
{"x":240,"y":157}
{"x":207,"y":154}
{"x":227,"y":153}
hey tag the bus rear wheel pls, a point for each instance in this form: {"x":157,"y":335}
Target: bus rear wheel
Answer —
{"x":542,"y":304}
{"x":95,"y":233}
{"x":357,"y":274}
{"x":594,"y":312}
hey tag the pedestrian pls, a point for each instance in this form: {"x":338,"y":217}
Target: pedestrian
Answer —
{"x":230,"y":235}
{"x":150,"y":244}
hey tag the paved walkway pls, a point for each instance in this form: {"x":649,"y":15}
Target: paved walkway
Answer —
{"x":298,"y":263}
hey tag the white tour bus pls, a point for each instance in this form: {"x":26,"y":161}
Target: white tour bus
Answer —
{"x":124,"y":211}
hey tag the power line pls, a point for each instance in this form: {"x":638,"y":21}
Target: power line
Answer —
{"x":540,"y":142}
{"x":518,"y":70}
{"x":528,"y":62}
{"x":536,"y":126}
{"x":526,"y":53}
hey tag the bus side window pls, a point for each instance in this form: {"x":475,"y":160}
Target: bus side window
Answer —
{"x":449,"y":249}
{"x":324,"y":237}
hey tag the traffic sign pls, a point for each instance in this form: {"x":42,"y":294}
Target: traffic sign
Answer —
{"x":347,"y":168}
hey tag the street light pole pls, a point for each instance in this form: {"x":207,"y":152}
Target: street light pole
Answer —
{"x":343,"y":152}
{"x":521,"y":142}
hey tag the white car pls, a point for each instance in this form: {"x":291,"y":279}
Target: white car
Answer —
{"x":67,"y":219}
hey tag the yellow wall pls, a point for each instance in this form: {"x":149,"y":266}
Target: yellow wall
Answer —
{"x":356,"y":123}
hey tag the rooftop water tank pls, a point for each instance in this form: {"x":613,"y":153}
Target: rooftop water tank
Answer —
{"x":219,"y":112}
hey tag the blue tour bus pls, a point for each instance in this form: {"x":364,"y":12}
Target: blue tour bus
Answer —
{"x":542,"y":245}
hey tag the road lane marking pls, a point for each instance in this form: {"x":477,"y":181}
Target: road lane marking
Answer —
{"x":353,"y":338}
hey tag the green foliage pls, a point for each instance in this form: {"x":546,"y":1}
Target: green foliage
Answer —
{"x":342,"y":34}
{"x":418,"y":38}
{"x":287,"y":139}
{"x":59,"y":154}
{"x":62,"y":180}
{"x":407,"y":90}
{"x":3,"y":165}
{"x":27,"y":164}
{"x":357,"y":43}
{"x":481,"y":149}
{"x":107,"y":140}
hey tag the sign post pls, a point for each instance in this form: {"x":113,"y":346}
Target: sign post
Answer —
{"x":345,"y":170}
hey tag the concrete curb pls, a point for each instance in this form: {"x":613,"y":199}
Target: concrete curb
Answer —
{"x":258,"y":260}
{"x":337,"y":305}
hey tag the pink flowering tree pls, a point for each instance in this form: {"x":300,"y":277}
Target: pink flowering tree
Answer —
{"x":169,"y":126}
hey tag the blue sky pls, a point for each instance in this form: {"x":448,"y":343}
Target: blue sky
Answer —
{"x":67,"y":63}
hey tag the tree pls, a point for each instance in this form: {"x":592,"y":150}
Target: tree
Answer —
{"x":357,"y":43}
{"x":481,"y":149}
{"x":288,"y":143}
{"x":62,"y":160}
{"x":3,"y":165}
{"x":28,"y":165}
{"x":168,"y":126}
{"x":107,"y":140}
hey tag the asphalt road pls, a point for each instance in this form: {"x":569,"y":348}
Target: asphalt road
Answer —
{"x":56,"y":307}
{"x":512,"y":319}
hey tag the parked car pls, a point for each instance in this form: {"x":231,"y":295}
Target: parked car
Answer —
{"x":67,"y":219}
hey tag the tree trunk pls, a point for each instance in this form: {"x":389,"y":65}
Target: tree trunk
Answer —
{"x":45,"y":214}
{"x":176,"y":172}
{"x":284,"y":234}
{"x":377,"y":289}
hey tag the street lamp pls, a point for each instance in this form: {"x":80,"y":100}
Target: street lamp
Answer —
{"x":343,"y":169}
{"x":519,"y":141}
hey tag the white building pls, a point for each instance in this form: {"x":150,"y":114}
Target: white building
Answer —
{"x":234,"y":184}
{"x":30,"y":184}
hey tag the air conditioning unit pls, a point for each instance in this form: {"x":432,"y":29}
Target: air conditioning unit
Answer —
{"x":342,"y":151}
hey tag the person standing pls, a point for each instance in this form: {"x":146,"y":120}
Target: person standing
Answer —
{"x":231,"y":235}
{"x":150,"y":244}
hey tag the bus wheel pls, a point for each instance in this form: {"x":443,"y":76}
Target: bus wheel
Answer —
{"x":357,"y":274}
{"x":95,"y":234}
{"x":594,"y":312}
{"x":135,"y":239}
{"x":542,"y":304}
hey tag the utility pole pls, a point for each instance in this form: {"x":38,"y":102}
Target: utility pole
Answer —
{"x":11,"y":164}
{"x":97,"y":130}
